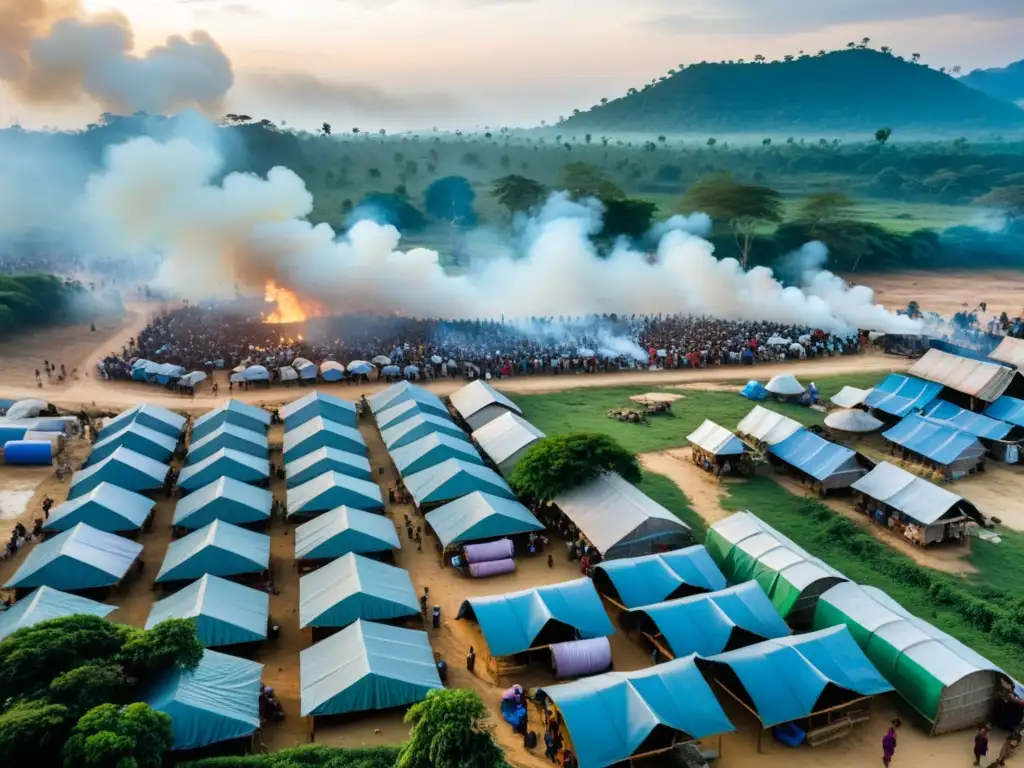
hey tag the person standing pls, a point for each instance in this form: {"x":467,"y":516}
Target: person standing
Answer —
{"x":470,"y":660}
{"x":889,"y":743}
{"x":980,"y":744}
{"x":1008,"y":748}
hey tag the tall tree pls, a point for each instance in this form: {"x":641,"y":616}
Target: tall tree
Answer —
{"x":518,"y":193}
{"x":449,"y":731}
{"x":109,"y":736}
{"x":586,"y":180}
{"x":450,"y":198}
{"x":626,"y":217}
{"x":882,"y":135}
{"x":558,"y":464}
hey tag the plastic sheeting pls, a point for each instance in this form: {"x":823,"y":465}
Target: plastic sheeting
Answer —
{"x":1008,"y":409}
{"x":124,"y":468}
{"x":44,"y":604}
{"x":942,"y":444}
{"x":581,"y":658}
{"x":785,"y":385}
{"x":399,"y":393}
{"x":224,"y":463}
{"x":331,"y":490}
{"x":767,"y":426}
{"x":332,"y":371}
{"x":298,"y":412}
{"x":324,"y":460}
{"x":343,"y":530}
{"x":899,"y":395}
{"x":492,"y":550}
{"x":219,"y":549}
{"x":231,"y":412}
{"x":453,"y":479}
{"x":81,"y":558}
{"x":225,"y":613}
{"x":850,"y":397}
{"x":853,"y":420}
{"x":432,"y":450}
{"x":492,"y":568}
{"x":480,"y":516}
{"x":318,"y":433}
{"x":716,"y":440}
{"x":224,"y":499}
{"x":506,"y":439}
{"x":975,"y":424}
{"x":476,"y":396}
{"x":835,"y":466}
{"x":106,"y":508}
{"x":355,"y":587}
{"x":915,"y":497}
{"x":754,"y":390}
{"x":420,"y":425}
{"x":138,"y":438}
{"x":229,"y":436}
{"x":639,"y":581}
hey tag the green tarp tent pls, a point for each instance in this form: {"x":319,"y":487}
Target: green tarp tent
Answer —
{"x":355,"y":587}
{"x":343,"y":530}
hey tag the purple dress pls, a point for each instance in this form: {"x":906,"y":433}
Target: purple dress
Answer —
{"x":888,"y":746}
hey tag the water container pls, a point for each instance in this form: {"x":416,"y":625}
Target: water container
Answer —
{"x":55,"y":439}
{"x":28,"y":452}
{"x":7,"y":434}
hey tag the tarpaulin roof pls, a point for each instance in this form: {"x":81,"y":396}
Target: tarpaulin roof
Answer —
{"x":106,"y":507}
{"x":47,"y":603}
{"x":1010,"y":350}
{"x":394,"y":415}
{"x":609,"y":717}
{"x":124,"y":468}
{"x":419,"y":426}
{"x":432,"y":450}
{"x":940,"y":443}
{"x":355,"y":587}
{"x":972,"y":423}
{"x":321,"y":433}
{"x":402,"y":391}
{"x":231,"y":412}
{"x":476,"y":396}
{"x":316,"y":404}
{"x":1008,"y":409}
{"x":224,"y":499}
{"x":331,"y":490}
{"x":915,"y":497}
{"x":80,"y":558}
{"x":716,"y":440}
{"x":453,"y":479}
{"x":787,"y":678}
{"x":226,"y":613}
{"x":637,"y":581}
{"x":366,"y":667}
{"x":899,"y":395}
{"x":977,"y":378}
{"x":217,"y":701}
{"x":505,"y":436}
{"x":712,"y":622}
{"x":481,"y":516}
{"x":820,"y":458}
{"x":767,"y":426}
{"x":344,"y":530}
{"x":786,"y":385}
{"x":224,"y":463}
{"x":220,"y":549}
{"x":612,"y":512}
{"x":512,"y":623}
{"x":323,"y":460}
{"x":850,"y":397}
{"x":153,"y":416}
{"x":853,"y":420}
{"x":138,"y":438}
{"x":229,"y":436}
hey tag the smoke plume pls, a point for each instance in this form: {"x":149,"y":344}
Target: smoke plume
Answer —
{"x":52,"y":51}
{"x":163,"y":198}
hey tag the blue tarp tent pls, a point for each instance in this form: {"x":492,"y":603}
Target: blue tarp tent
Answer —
{"x":319,"y":433}
{"x":430,"y":451}
{"x":754,"y":390}
{"x":332,"y":490}
{"x":220,"y":549}
{"x":229,"y":436}
{"x":305,"y":368}
{"x":324,"y":460}
{"x":124,"y":468}
{"x":791,"y":678}
{"x":710,"y":623}
{"x":106,"y":508}
{"x":959,"y":418}
{"x":164,"y":373}
{"x":636,"y":581}
{"x":224,"y":499}
{"x":218,"y":701}
{"x":453,"y":479}
{"x":831,"y":464}
{"x":941,"y":444}
{"x":225,"y":613}
{"x":231,"y":412}
{"x":367,"y":667}
{"x":399,"y":393}
{"x":81,"y":558}
{"x":355,"y":587}
{"x":518,"y":621}
{"x":152,"y":416}
{"x":343,"y":530}
{"x":612,"y":717}
{"x":481,"y":516}
{"x":139,"y":368}
{"x":135,"y":437}
{"x":899,"y":395}
{"x":396,"y":414}
{"x":1008,"y":409}
{"x":298,"y":412}
{"x":224,"y":463}
{"x":47,"y":603}
{"x":421,"y":425}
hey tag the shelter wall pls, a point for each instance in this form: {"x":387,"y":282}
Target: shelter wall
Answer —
{"x":486,"y":415}
{"x":967,"y":703}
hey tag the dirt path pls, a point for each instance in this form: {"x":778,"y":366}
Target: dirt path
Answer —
{"x":702,"y":490}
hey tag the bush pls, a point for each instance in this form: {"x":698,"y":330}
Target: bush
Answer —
{"x":558,"y":464}
{"x":309,"y":756}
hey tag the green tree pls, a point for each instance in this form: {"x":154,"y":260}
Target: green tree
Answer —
{"x":448,"y":731}
{"x":172,"y":643}
{"x":108,"y":736}
{"x":558,"y":464}
{"x":83,"y":688}
{"x":882,"y":135}
{"x":586,"y":180}
{"x":626,"y":217}
{"x":825,"y":207}
{"x":451,"y":198}
{"x":518,"y":193}
{"x":1008,"y":200}
{"x":32,"y":732}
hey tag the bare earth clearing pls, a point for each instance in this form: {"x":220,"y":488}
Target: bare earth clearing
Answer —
{"x":948,"y":292}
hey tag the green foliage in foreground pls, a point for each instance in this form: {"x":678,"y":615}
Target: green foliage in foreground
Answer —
{"x":561,"y":463}
{"x":308,"y":756}
{"x":34,"y":300}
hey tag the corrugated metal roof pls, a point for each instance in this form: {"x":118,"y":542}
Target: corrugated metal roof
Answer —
{"x":476,"y":396}
{"x":818,"y":457}
{"x":1010,"y":350}
{"x":986,"y":381}
{"x":506,"y":435}
{"x":941,"y":444}
{"x":1008,"y":409}
{"x":767,"y":426}
{"x":925,"y":502}
{"x":716,"y":440}
{"x":898,"y":395}
{"x":972,"y":423}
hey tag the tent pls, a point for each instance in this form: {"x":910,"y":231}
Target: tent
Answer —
{"x":80,"y":558}
{"x":25,"y":409}
{"x":343,"y":530}
{"x":453,"y":479}
{"x":324,"y":460}
{"x":1010,"y":351}
{"x":506,"y":439}
{"x":853,"y":420}
{"x":432,"y":450}
{"x":899,"y":395}
{"x":716,"y":440}
{"x":225,"y":613}
{"x":956,"y":453}
{"x":478,"y":403}
{"x":754,"y":390}
{"x":47,"y":603}
{"x":402,"y":391}
{"x":151,"y":416}
{"x":224,"y":463}
{"x":746,"y":548}
{"x":217,"y":701}
{"x":850,"y":397}
{"x":124,"y":468}
{"x":407,"y":409}
{"x":106,"y":508}
{"x":709,"y":623}
{"x":319,"y":433}
{"x":256,"y":373}
{"x":231,"y":412}
{"x":229,"y":436}
{"x":332,"y":490}
{"x":164,"y":373}
{"x":480,"y":516}
{"x":518,"y":621}
{"x":831,"y":465}
{"x":305,"y":368}
{"x":764,"y":426}
{"x":975,"y":378}
{"x":620,"y":520}
{"x":947,"y":414}
{"x":785,"y":386}
{"x":1008,"y":409}
{"x":411,"y":430}
{"x":298,"y":412}
{"x":945,"y":681}
{"x":355,"y":587}
{"x":224,"y":499}
{"x":792,"y":678}
{"x":366,"y":667}
{"x":613,"y":717}
{"x":635,"y":581}
{"x":135,"y":437}
{"x":219,"y":549}
{"x":332,"y":370}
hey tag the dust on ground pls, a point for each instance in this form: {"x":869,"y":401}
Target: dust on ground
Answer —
{"x":709,"y":386}
{"x":948,"y":292}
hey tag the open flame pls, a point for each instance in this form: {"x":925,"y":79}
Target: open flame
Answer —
{"x":289,"y":307}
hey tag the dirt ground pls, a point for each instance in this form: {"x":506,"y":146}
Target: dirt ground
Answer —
{"x":948,"y":292}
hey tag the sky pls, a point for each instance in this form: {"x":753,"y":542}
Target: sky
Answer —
{"x":416,"y":64}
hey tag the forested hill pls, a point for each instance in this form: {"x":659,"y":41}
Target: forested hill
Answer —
{"x":844,"y":91}
{"x":1005,"y":83}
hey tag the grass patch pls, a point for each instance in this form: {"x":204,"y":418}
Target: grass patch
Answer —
{"x":669,"y":495}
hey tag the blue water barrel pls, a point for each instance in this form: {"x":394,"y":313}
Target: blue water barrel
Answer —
{"x":51,"y":424}
{"x":7,"y":434}
{"x":34,"y":452}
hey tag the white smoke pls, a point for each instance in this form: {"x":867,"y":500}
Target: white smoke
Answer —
{"x":163,"y":197}
{"x":696,"y":224}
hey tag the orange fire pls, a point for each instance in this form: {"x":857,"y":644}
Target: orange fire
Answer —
{"x":289,"y":306}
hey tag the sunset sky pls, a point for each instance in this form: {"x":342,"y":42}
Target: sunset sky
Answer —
{"x":406,"y":64}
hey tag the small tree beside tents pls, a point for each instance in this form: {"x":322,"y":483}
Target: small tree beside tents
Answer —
{"x":109,"y":736}
{"x":448,"y":731}
{"x":558,"y":464}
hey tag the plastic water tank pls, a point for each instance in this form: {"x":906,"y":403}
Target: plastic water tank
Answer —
{"x":7,"y":434}
{"x":55,"y":439}
{"x":32,"y":452}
